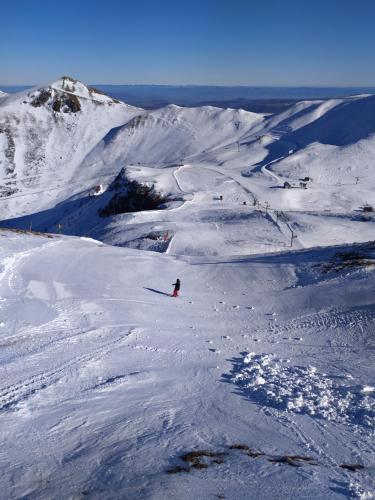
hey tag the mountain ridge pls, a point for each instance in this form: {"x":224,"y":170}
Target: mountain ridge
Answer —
{"x":191,"y":156}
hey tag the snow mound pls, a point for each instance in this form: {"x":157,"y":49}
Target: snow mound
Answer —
{"x":302,"y":389}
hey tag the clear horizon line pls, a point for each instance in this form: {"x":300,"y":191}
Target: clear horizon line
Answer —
{"x":309,"y":86}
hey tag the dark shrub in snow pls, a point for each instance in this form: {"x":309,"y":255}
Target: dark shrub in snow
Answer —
{"x":133,"y":197}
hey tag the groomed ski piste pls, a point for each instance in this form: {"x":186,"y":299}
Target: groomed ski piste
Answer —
{"x":258,"y":380}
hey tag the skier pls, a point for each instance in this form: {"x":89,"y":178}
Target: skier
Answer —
{"x":176,"y":288}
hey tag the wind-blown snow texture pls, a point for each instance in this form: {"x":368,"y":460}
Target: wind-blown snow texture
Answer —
{"x":264,"y":363}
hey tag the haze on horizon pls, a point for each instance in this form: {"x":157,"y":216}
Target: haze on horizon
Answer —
{"x":209,"y":42}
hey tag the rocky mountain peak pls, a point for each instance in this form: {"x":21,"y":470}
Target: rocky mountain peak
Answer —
{"x":65,"y":95}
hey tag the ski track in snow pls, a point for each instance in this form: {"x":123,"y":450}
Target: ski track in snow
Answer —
{"x":12,"y":395}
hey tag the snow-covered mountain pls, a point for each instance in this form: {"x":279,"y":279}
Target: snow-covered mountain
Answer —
{"x":46,"y":132}
{"x":173,"y":134}
{"x":258,"y":381}
{"x":194,"y":155}
{"x":339,"y":122}
{"x":336,"y":150}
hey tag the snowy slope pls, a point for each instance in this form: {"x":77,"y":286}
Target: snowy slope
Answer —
{"x":172,"y":134}
{"x":337,"y":151}
{"x":263,"y":366}
{"x":107,"y":381}
{"x":329,"y":141}
{"x":195,"y":155}
{"x":196,"y":222}
{"x":342,"y":122}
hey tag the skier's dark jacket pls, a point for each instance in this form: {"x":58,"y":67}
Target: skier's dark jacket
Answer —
{"x":177,"y":284}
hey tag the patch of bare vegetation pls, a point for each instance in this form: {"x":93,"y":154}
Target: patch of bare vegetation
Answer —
{"x":198,"y":459}
{"x":352,"y":467}
{"x":136,"y":197}
{"x":368,"y":208}
{"x":177,"y":469}
{"x":247,"y":450}
{"x":342,"y":261}
{"x":293,"y":460}
{"x":24,"y":231}
{"x":203,"y":459}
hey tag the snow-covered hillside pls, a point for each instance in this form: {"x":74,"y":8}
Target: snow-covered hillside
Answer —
{"x":45,"y":133}
{"x":258,"y":381}
{"x":194,"y":155}
{"x":263,"y":368}
{"x":173,"y":134}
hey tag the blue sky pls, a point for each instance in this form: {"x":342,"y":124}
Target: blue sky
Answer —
{"x":219,"y":42}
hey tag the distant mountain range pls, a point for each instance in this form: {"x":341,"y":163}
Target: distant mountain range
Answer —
{"x":256,"y":99}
